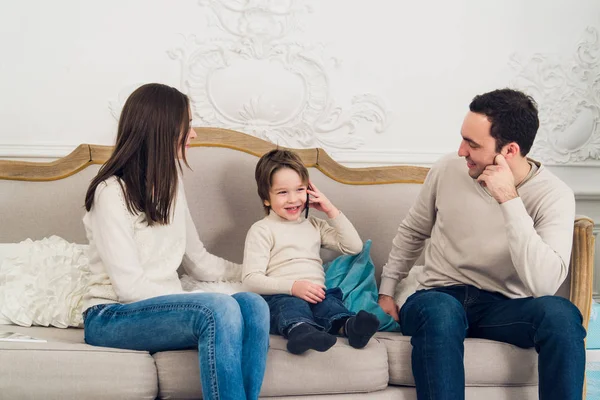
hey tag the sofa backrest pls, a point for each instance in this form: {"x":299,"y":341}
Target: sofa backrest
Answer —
{"x":42,"y":199}
{"x":224,"y":203}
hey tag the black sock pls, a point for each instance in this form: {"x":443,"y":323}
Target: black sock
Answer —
{"x":304,"y":337}
{"x":361,"y":328}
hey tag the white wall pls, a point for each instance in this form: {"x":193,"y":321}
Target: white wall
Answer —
{"x":374,"y":82}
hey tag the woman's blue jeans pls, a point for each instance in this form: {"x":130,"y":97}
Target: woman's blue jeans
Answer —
{"x":440,"y":319}
{"x":231,"y":334}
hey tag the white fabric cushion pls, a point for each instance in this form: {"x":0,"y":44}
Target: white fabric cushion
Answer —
{"x":8,"y":250}
{"x":42,"y":282}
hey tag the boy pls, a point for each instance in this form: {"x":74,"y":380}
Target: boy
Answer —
{"x":282,"y":261}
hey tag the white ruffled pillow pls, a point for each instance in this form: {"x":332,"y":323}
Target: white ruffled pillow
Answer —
{"x":42,"y":282}
{"x":8,"y":250}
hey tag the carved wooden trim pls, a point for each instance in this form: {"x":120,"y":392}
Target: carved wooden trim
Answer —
{"x":66,"y":166}
{"x":86,"y":155}
{"x":218,"y":137}
{"x":100,"y":154}
{"x":582,"y":267}
{"x":370,"y":175}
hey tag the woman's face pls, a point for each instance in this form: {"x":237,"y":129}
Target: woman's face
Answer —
{"x":191,"y":135}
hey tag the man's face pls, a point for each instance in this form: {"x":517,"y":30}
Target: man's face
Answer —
{"x":478,"y":147}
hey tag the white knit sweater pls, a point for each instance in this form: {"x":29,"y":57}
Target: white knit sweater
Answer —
{"x":131,"y":261}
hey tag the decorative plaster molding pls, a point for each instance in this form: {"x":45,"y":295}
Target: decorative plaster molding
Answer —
{"x":115,"y":106}
{"x":253,"y":78}
{"x":568,"y":95}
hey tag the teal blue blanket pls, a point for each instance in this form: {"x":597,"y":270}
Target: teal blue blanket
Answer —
{"x":355,"y":275}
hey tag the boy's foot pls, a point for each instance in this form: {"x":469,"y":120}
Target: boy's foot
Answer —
{"x":361,"y":328}
{"x":304,"y":337}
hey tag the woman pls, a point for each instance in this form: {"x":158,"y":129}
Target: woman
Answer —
{"x":140,"y":231}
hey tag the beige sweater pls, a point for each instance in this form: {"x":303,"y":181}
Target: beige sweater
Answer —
{"x":519,"y":248}
{"x":279,"y":252}
{"x":130,"y":261}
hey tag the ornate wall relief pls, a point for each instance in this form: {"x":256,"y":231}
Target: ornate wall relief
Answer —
{"x":568,"y":95}
{"x":254,"y":78}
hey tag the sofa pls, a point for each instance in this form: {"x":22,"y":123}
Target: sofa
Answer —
{"x":38,"y":200}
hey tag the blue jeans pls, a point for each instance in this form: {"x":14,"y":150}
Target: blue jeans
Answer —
{"x":288,"y":310}
{"x":230,"y":333}
{"x":440,"y":319}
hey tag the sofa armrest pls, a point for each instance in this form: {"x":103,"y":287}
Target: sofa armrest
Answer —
{"x":582,"y":267}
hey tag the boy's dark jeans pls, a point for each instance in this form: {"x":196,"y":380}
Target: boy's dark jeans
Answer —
{"x":288,"y":310}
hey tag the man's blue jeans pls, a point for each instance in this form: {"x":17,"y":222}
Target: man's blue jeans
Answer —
{"x":440,"y":319}
{"x":289,"y":310}
{"x":230,"y":333}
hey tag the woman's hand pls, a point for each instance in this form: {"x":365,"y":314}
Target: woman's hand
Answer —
{"x":319,"y":201}
{"x":308,"y":291}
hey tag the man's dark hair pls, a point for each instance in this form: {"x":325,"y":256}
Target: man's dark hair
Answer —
{"x":513,"y":114}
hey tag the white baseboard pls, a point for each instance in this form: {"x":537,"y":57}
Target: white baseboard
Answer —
{"x":350,"y":158}
{"x":24,"y":151}
{"x":381,"y":157}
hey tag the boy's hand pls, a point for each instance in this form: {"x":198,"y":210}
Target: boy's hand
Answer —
{"x":308,"y":291}
{"x":320,"y":202}
{"x":388,"y":305}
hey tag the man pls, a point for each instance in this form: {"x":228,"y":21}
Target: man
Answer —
{"x":500,"y":228}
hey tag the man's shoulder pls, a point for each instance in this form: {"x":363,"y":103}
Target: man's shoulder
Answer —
{"x":544,"y":178}
{"x":448,"y":165}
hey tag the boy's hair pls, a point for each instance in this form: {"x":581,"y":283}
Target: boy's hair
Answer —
{"x":272,"y":162}
{"x":513,"y":114}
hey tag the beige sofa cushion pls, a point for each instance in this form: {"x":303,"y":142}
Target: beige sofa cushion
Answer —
{"x":487,"y":363}
{"x":66,"y":368}
{"x":409,"y":393}
{"x":341,"y":369}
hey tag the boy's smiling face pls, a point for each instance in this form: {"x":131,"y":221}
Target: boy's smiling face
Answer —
{"x":287,"y":195}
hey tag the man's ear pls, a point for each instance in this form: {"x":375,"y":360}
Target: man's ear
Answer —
{"x":511,"y":150}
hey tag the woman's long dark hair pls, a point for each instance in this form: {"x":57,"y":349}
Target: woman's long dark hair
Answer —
{"x":153,"y":127}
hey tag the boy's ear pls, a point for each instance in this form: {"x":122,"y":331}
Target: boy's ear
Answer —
{"x":267,"y":203}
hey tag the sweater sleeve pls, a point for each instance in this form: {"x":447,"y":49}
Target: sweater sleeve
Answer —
{"x":541,"y":250}
{"x":112,"y":230}
{"x":257,"y":254}
{"x":202,"y":265}
{"x":409,"y":241}
{"x":339,"y":234}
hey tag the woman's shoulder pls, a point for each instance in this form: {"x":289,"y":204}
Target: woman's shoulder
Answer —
{"x":109,"y":190}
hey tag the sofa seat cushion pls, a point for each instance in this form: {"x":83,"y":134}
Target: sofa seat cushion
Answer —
{"x":487,"y":363}
{"x":341,"y":369}
{"x":65,"y":367}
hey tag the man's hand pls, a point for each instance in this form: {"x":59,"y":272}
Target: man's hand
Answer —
{"x":308,"y":291}
{"x":499,"y":180}
{"x":389,"y":306}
